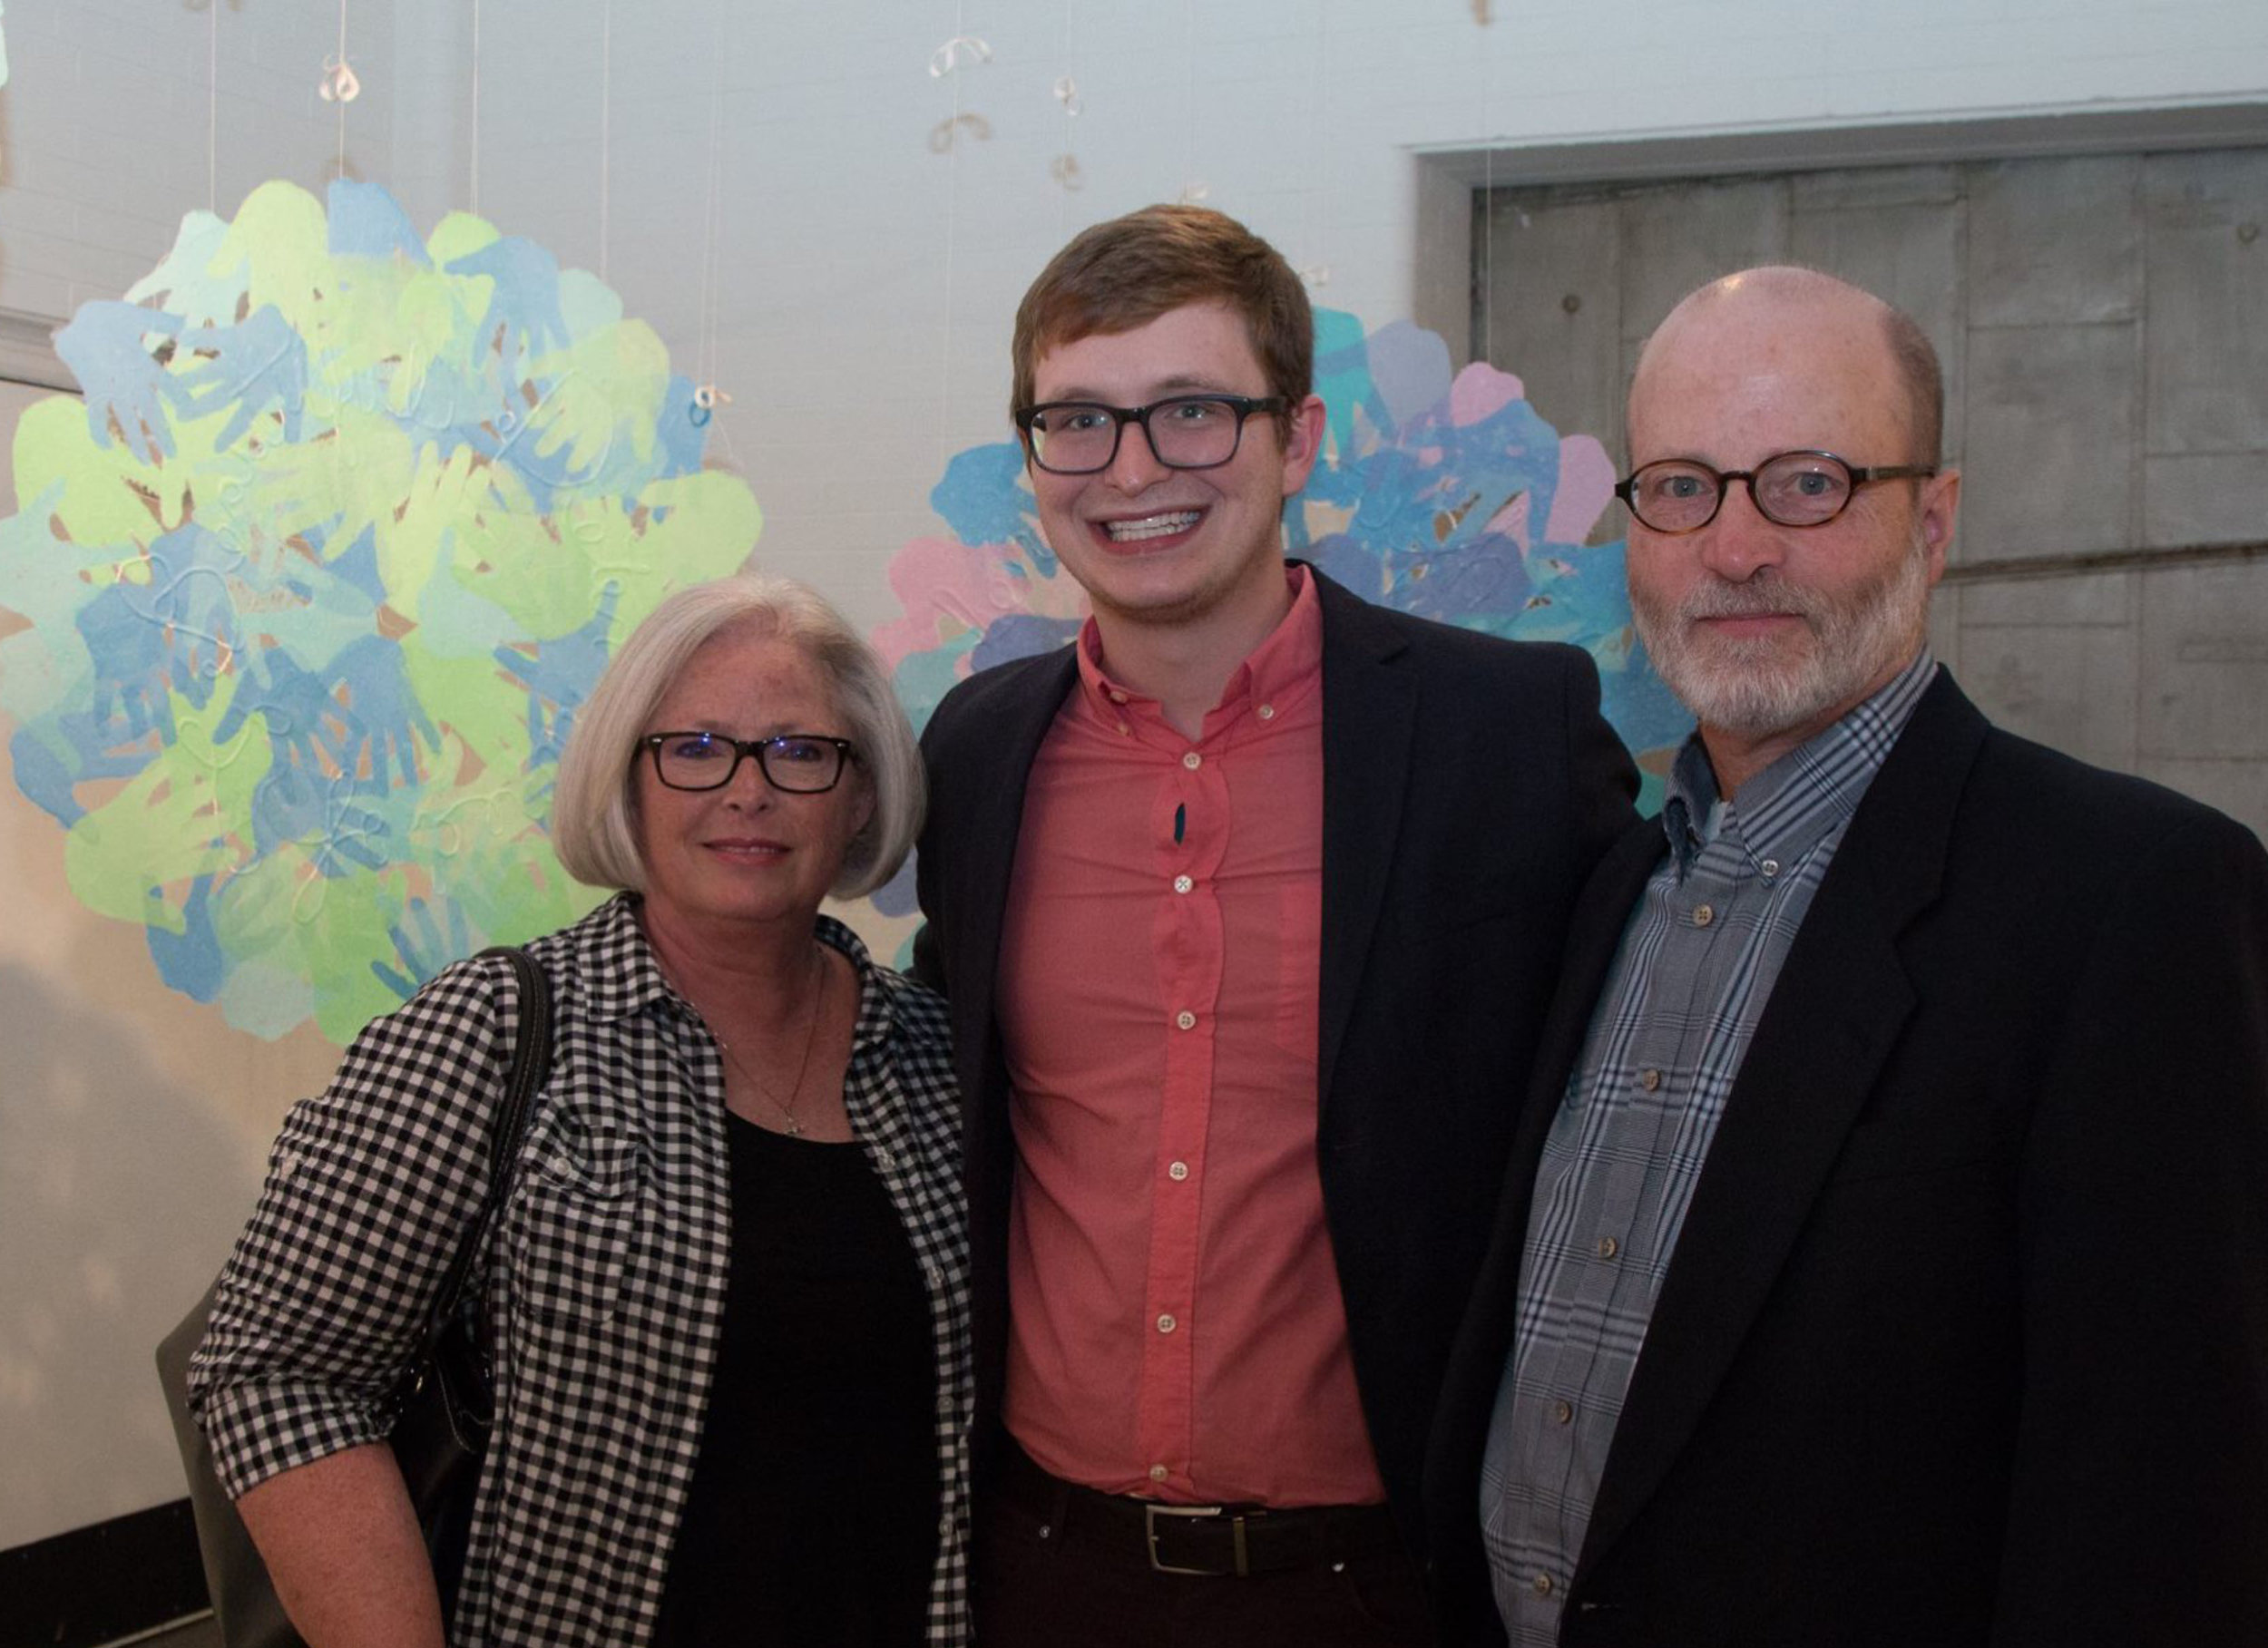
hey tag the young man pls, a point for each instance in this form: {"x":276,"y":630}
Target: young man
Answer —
{"x":1248,"y":905}
{"x":1884,"y":1257}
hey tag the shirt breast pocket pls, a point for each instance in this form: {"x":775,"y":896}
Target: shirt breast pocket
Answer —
{"x":574,"y":1224}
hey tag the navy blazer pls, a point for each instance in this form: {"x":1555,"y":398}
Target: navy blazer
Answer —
{"x":1965,"y":1340}
{"x":1470,"y":785}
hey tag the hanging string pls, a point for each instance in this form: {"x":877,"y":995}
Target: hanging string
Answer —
{"x":213,"y":113}
{"x":708,"y":397}
{"x":705,"y":341}
{"x":953,"y":219}
{"x":1316,"y":271}
{"x":606,"y":126}
{"x":1487,"y":214}
{"x":1192,"y":189}
{"x":475,"y":188}
{"x":343,"y":96}
{"x":1067,"y":164}
{"x":705,"y":337}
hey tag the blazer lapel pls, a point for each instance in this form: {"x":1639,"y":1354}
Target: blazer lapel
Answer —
{"x":1369,"y":710}
{"x":1836,"y":1011}
{"x":1594,"y":936}
{"x":1485,"y":1341}
{"x":985,"y":852}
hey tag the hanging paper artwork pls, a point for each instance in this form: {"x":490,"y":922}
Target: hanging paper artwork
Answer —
{"x":315,"y":580}
{"x":1440,"y":493}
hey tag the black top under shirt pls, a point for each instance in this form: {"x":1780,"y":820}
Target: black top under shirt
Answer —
{"x":812,"y":1518}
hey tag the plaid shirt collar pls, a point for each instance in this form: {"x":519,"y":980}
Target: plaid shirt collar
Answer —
{"x":619,"y":969}
{"x":1786,"y":810}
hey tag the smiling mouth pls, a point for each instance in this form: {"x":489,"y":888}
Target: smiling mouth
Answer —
{"x":747,"y":849}
{"x":1143,"y":528}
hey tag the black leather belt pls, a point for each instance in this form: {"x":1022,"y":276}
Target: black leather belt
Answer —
{"x":1221,"y":1540}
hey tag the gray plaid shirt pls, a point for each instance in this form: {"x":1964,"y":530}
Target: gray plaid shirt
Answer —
{"x":605,"y":1274}
{"x":1698,"y":959}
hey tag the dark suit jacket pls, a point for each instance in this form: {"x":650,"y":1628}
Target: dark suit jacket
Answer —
{"x":1965,"y":1339}
{"x":1469,"y":786}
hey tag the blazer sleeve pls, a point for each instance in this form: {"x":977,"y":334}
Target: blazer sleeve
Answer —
{"x":928,"y":967}
{"x":2139,"y":1507}
{"x":1602,"y":780}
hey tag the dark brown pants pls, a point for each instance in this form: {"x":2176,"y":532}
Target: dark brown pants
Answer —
{"x":1050,"y":1572}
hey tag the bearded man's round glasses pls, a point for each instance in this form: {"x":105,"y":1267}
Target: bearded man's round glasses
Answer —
{"x":803,"y":763}
{"x":1791,"y":489}
{"x":1184,"y":431}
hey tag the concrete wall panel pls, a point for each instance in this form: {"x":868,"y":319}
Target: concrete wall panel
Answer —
{"x":2207,"y":218}
{"x":2206,"y":685}
{"x":2053,"y":243}
{"x":2050,"y":428}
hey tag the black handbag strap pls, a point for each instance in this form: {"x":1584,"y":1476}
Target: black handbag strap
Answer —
{"x":531,"y":1067}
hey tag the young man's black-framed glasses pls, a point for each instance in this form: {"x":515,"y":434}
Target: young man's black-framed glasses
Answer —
{"x":1184,"y":431}
{"x":1806,"y":488}
{"x":803,"y":763}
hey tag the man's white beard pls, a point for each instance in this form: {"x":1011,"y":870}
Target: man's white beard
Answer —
{"x":1758,"y":687}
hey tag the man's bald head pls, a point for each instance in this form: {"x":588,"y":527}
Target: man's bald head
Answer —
{"x":1783,"y":297}
{"x":1769,"y":632}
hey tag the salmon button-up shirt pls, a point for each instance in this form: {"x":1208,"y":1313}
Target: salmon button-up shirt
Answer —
{"x":1176,"y":1326}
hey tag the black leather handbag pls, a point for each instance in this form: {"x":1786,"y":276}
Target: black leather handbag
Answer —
{"x":443,"y":1409}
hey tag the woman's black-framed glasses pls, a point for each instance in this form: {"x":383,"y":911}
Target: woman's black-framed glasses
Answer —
{"x":803,"y":763}
{"x":1806,"y":488}
{"x":1184,"y":431}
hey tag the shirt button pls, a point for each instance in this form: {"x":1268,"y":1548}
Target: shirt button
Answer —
{"x":1177,"y":1172}
{"x":1156,"y":1473}
{"x":1124,"y":730}
{"x":1267,"y":712}
{"x":1609,"y":1247}
{"x":1703,"y":915}
{"x":1192,"y":760}
{"x":1186,"y":1019}
{"x":1165,"y":1324}
{"x":1563,"y":1412}
{"x":886,"y":1158}
{"x":1543,"y":1585}
{"x":1117,"y":697}
{"x":1182,"y":884}
{"x":1649,"y":1079}
{"x":1770,"y":867}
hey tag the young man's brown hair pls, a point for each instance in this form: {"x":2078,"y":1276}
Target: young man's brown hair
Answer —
{"x":1124,"y":274}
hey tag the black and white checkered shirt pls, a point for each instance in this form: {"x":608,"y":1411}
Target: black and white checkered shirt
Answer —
{"x":1699,"y":956}
{"x":605,"y":1275}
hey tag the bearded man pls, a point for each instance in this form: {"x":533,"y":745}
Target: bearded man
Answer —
{"x":1883,"y":1257}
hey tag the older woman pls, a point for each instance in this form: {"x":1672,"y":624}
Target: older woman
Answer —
{"x":727,"y":1286}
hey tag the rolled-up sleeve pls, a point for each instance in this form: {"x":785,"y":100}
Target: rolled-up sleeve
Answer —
{"x":371,"y":1189}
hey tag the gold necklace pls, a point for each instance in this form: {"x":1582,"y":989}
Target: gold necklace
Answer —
{"x":810,"y":1038}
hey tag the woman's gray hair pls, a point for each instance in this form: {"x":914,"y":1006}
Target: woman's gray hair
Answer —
{"x":594,"y":820}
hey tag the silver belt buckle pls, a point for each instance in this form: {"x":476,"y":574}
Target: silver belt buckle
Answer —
{"x":1151,"y":1513}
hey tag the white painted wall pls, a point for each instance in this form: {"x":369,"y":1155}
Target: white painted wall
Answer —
{"x":865,"y":282}
{"x":863,"y":288}
{"x":133,"y":1123}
